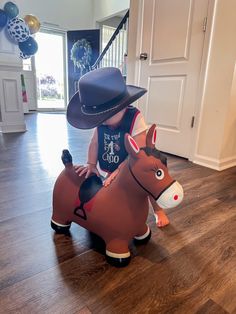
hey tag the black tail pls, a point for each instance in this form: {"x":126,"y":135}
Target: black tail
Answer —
{"x":66,"y":157}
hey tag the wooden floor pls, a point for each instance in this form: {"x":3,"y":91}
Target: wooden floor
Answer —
{"x":188,"y":267}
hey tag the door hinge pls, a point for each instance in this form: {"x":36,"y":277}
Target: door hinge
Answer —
{"x":192,"y":121}
{"x":204,"y":24}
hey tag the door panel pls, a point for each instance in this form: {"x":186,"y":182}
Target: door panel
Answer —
{"x":159,"y":88}
{"x":164,"y":28}
{"x":172,"y":37}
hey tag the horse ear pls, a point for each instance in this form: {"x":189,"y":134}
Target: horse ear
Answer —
{"x":151,"y":137}
{"x":131,"y":146}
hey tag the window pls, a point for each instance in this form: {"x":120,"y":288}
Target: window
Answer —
{"x":27,"y":65}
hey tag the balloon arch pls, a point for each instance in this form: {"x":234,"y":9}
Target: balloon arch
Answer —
{"x":18,"y":30}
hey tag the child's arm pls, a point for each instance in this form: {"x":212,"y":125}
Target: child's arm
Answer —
{"x":93,"y":149}
{"x":91,"y":166}
{"x":140,"y":139}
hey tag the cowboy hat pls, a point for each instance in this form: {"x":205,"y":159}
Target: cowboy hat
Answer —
{"x":102,"y":93}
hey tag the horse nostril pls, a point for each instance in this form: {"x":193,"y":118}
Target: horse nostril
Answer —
{"x":176,"y":197}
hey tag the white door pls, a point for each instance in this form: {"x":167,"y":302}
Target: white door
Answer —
{"x":172,"y":37}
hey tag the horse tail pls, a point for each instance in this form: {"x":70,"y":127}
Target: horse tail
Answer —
{"x":66,"y":158}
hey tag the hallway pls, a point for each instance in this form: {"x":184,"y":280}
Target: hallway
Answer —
{"x":187,"y":267}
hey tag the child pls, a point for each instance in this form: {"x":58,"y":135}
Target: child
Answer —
{"x":103,"y":102}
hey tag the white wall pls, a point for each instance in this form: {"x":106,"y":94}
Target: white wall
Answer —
{"x":113,"y":22}
{"x":216,"y":142}
{"x":107,"y":8}
{"x":229,"y":141}
{"x":69,"y":14}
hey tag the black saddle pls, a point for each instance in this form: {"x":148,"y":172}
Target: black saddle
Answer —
{"x":89,"y":188}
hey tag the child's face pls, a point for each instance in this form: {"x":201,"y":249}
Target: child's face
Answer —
{"x":113,"y":121}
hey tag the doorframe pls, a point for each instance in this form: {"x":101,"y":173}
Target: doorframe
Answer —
{"x":198,"y":110}
{"x":133,"y":66}
{"x":34,"y":83}
{"x":49,"y":30}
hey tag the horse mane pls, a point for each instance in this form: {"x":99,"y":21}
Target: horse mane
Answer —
{"x":155,"y":153}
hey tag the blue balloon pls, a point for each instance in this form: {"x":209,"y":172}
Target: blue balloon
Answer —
{"x":29,"y":47}
{"x":3,"y":18}
{"x":8,"y":37}
{"x":11,"y":9}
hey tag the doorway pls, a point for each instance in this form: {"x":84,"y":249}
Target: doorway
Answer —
{"x":51,"y":70}
{"x":29,"y":82}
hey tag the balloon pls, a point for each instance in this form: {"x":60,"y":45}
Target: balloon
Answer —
{"x":11,"y":9}
{"x":24,"y":56}
{"x":18,"y":30}
{"x":3,"y":18}
{"x":8,"y":37}
{"x":29,"y":47}
{"x":33,"y":23}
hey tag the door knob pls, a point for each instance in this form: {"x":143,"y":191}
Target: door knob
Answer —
{"x":143,"y":56}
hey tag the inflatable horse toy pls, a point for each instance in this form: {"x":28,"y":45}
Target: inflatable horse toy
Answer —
{"x":116,"y":213}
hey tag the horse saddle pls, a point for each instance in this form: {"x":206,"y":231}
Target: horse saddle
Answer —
{"x":89,"y":188}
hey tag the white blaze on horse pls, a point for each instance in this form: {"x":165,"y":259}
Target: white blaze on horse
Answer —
{"x":116,"y":213}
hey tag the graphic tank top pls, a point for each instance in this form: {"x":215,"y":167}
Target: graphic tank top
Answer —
{"x":111,"y":150}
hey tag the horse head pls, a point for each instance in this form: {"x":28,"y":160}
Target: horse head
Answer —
{"x":148,"y":167}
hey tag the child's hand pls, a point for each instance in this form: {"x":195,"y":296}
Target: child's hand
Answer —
{"x":111,"y":177}
{"x":87,"y":170}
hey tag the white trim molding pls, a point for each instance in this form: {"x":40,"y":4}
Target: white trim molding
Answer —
{"x":12,"y":128}
{"x":213,"y":163}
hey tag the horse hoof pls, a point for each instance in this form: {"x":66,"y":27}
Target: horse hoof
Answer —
{"x":118,"y":262}
{"x":60,"y":229}
{"x":144,"y":238}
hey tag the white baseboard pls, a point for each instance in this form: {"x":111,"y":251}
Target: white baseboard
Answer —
{"x":226,"y":163}
{"x":14,"y":128}
{"x":216,"y":164}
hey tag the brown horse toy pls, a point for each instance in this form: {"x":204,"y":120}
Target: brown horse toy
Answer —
{"x":116,"y":213}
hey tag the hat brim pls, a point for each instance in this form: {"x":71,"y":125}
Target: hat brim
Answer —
{"x":80,"y":120}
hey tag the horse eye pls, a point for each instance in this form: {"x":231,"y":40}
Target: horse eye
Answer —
{"x":160,"y":174}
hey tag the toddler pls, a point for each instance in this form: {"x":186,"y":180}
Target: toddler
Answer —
{"x":104,"y":102}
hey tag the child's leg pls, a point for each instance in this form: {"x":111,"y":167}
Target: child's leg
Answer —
{"x":110,"y":178}
{"x":113,"y":175}
{"x":161,"y":218}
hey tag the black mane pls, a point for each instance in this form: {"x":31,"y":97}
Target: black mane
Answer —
{"x":156,"y":153}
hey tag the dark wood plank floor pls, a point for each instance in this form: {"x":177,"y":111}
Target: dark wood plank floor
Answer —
{"x":187,"y":267}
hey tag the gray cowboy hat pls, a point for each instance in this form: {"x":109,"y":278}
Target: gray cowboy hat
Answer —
{"x":102,"y":93}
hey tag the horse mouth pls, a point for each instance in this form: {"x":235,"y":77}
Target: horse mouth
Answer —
{"x":171,"y":197}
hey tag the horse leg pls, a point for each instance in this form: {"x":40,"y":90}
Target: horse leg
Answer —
{"x":117,"y":252}
{"x":143,"y":236}
{"x":60,"y":225}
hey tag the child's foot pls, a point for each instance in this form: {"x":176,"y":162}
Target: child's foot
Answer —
{"x":161,"y":219}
